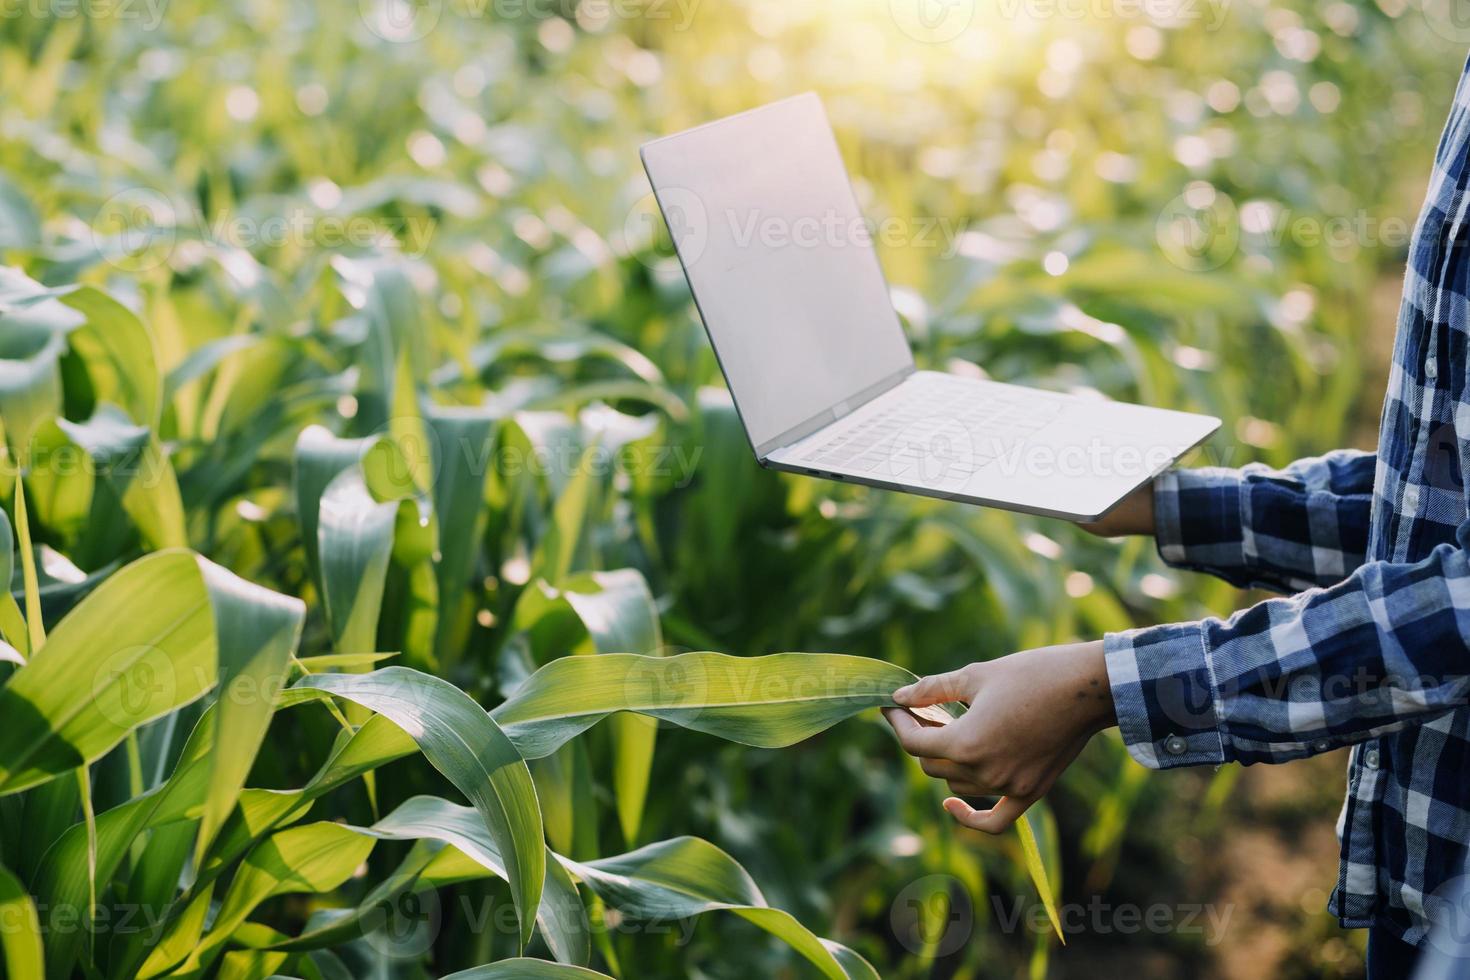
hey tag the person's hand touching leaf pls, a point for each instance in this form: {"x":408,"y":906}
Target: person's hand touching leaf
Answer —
{"x":1029,"y":716}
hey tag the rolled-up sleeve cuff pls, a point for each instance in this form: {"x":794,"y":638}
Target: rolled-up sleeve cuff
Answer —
{"x":1197,"y":518}
{"x":1165,"y":695}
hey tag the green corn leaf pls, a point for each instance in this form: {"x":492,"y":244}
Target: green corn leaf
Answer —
{"x":319,"y":458}
{"x":621,"y":617}
{"x":770,"y":701}
{"x":261,"y":811}
{"x":619,"y":614}
{"x":20,"y":225}
{"x":557,"y":549}
{"x":257,"y":632}
{"x":669,"y":880}
{"x":20,"y":929}
{"x":561,"y":916}
{"x":348,"y":661}
{"x":13,"y":626}
{"x":313,"y":858}
{"x":688,"y":876}
{"x":203,"y":359}
{"x":461,"y":439}
{"x":328,"y":928}
{"x":127,"y":466}
{"x":119,"y":354}
{"x":527,"y":969}
{"x":182,"y":939}
{"x":33,"y":329}
{"x":457,"y":736}
{"x":7,"y":552}
{"x":251,"y":964}
{"x":1026,"y":828}
{"x":355,"y":537}
{"x":63,"y":881}
{"x":77,"y":698}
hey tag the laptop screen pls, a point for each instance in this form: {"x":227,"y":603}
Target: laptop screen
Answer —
{"x":781,"y":263}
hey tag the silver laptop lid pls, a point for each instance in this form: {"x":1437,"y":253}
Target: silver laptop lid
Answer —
{"x":781,"y":265}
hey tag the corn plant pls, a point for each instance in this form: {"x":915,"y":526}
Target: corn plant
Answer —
{"x":392,"y":592}
{"x":172,"y":647}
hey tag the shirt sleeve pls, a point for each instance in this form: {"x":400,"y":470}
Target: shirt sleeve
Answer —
{"x":1385,"y":648}
{"x":1284,"y":530}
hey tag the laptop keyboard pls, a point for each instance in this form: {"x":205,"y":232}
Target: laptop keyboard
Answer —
{"x":938,"y":431}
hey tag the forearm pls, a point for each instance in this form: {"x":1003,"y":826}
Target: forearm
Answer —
{"x":1287,"y":530}
{"x":1385,"y":648}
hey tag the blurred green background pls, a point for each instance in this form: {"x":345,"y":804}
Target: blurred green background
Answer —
{"x":1202,"y":205}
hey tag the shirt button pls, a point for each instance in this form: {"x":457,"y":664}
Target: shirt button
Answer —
{"x":1175,"y":745}
{"x":1370,"y":758}
{"x":1321,"y":745}
{"x":1411,"y":497}
{"x":1431,"y":368}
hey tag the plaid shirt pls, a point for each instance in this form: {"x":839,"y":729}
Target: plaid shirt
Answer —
{"x":1373,"y":650}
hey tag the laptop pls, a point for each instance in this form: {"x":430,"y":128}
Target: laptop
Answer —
{"x":787,"y":282}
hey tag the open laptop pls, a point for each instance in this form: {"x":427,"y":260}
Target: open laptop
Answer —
{"x":784,"y":275}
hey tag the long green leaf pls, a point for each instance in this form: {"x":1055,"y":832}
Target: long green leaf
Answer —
{"x":119,"y":354}
{"x":257,"y":632}
{"x":138,"y":647}
{"x":620,"y":615}
{"x":527,"y":969}
{"x":313,"y":858}
{"x":20,"y":929}
{"x":355,"y":538}
{"x":561,"y":916}
{"x":461,"y":439}
{"x":32,"y":339}
{"x":770,"y":701}
{"x":63,"y":881}
{"x":319,"y":458}
{"x":466,"y":745}
{"x":666,"y":881}
{"x":1036,"y":865}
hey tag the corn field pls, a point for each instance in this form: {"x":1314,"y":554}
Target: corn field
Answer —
{"x":393,"y":593}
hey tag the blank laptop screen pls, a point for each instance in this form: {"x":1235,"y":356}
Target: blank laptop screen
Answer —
{"x":780,"y":261}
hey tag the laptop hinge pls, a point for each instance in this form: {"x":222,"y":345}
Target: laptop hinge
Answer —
{"x":827,"y":416}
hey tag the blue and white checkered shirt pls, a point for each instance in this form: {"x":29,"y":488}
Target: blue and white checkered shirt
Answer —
{"x":1373,"y":650}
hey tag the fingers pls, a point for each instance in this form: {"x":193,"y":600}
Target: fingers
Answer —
{"x":997,"y":819}
{"x":957,"y":685}
{"x":947,"y":770}
{"x":917,"y":739}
